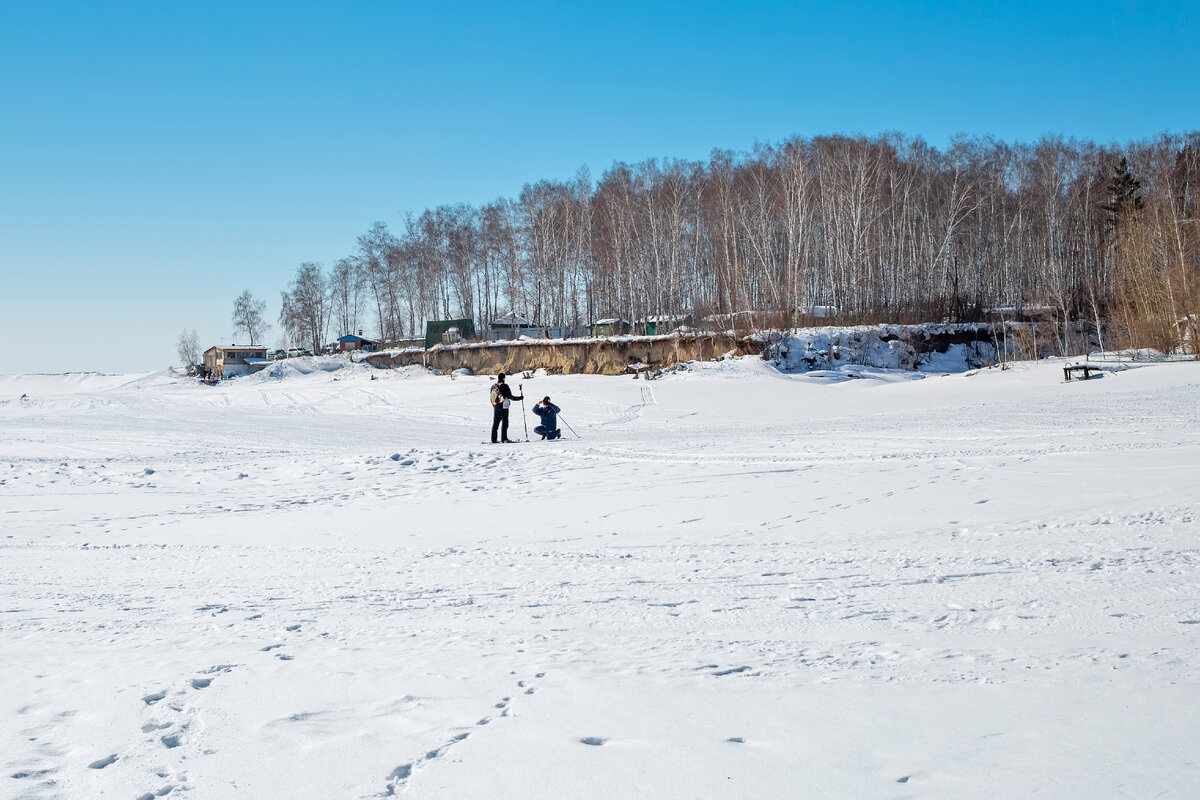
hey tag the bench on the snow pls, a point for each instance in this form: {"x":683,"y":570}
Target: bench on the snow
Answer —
{"x":638,"y":369}
{"x":1080,"y":371}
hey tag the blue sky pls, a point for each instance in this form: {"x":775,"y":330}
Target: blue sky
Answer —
{"x":158,"y":158}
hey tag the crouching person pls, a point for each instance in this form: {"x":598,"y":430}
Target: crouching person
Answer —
{"x":548,"y":412}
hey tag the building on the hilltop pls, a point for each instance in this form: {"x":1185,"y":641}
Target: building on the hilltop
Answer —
{"x":609,"y":327}
{"x":226,"y":362}
{"x":448,"y":331}
{"x":359,"y":342}
{"x":512,"y":326}
{"x":661,"y":324}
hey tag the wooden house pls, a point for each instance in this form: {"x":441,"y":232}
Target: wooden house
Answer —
{"x":359,"y":342}
{"x":661,"y":324}
{"x":512,"y":326}
{"x":609,"y":327}
{"x":227,"y":362}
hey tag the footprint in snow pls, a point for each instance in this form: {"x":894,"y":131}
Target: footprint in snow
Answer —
{"x":731,"y":671}
{"x":101,"y":763}
{"x":32,"y":773}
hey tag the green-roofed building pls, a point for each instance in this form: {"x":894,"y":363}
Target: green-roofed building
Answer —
{"x":448,"y":331}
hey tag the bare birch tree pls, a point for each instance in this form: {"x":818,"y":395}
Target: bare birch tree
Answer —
{"x":883,"y":229}
{"x":188,"y":348}
{"x":248,"y":317}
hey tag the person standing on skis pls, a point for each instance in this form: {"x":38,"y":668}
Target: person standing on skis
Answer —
{"x":501,"y":395}
{"x":549,"y":415}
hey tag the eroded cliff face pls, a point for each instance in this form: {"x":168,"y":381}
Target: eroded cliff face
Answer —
{"x":801,"y":350}
{"x":587,"y":357}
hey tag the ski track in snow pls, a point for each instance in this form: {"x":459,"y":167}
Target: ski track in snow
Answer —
{"x":736,"y":584}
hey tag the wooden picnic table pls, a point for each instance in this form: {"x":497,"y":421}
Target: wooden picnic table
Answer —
{"x":1080,"y":371}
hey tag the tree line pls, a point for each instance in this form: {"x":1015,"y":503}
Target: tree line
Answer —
{"x":882,"y":229}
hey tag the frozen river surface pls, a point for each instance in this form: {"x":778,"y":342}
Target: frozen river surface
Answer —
{"x":736,"y":584}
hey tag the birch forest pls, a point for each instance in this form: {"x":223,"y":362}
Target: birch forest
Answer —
{"x":869,"y":229}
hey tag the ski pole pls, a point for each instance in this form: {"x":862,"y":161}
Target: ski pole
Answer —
{"x":572,"y":430}
{"x":524,"y":419}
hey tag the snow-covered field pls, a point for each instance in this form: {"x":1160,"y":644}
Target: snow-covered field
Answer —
{"x":737,"y":583}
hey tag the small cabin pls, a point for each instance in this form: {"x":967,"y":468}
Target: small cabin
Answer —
{"x":228,"y":362}
{"x":661,"y":324}
{"x":359,"y":342}
{"x":448,"y":331}
{"x":609,"y":327}
{"x":512,"y":326}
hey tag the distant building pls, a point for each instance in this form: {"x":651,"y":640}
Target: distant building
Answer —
{"x":448,"y":331}
{"x":226,"y":362}
{"x":359,"y":342}
{"x":663,"y":323}
{"x":609,"y":327}
{"x":511,"y":326}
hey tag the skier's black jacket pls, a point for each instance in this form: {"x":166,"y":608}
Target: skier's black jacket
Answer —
{"x":506,"y":393}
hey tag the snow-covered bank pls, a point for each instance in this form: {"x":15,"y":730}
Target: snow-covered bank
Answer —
{"x":926,"y":348}
{"x":738,"y":583}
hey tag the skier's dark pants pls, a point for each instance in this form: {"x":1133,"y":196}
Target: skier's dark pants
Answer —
{"x":499,"y":420}
{"x":542,"y":430}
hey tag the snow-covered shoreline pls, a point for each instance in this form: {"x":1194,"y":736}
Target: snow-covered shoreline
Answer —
{"x":738,"y":583}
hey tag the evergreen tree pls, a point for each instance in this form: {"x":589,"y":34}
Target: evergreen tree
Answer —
{"x":1123,"y":193}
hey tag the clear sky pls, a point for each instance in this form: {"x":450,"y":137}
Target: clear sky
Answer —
{"x":158,"y":158}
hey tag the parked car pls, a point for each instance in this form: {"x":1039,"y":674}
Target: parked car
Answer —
{"x":275,"y":355}
{"x":293,"y":352}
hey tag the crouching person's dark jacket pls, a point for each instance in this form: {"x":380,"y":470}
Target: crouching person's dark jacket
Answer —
{"x":549,"y":415}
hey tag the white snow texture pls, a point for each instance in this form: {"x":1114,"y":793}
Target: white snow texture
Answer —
{"x":737,"y":583}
